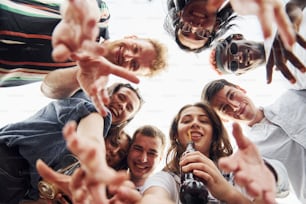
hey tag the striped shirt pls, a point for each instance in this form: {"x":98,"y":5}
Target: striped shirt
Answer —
{"x":26,"y":28}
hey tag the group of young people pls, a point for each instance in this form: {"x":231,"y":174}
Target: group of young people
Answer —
{"x":96,"y":137}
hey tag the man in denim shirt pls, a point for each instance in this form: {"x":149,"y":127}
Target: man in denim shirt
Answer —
{"x":40,"y":137}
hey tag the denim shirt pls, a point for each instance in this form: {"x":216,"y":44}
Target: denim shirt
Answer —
{"x":40,"y":136}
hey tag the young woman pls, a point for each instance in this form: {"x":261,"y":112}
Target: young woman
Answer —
{"x":211,"y":143}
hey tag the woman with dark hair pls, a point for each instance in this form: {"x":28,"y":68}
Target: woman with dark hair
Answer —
{"x":195,"y":24}
{"x":200,"y":124}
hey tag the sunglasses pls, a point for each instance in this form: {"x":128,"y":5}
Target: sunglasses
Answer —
{"x":233,"y":64}
{"x":186,"y":29}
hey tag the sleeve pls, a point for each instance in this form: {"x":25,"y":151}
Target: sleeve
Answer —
{"x":164,"y":180}
{"x":282,"y":179}
{"x":104,"y":19}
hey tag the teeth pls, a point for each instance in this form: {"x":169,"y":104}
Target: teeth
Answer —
{"x":140,"y":166}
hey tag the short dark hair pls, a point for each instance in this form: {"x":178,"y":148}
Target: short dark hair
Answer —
{"x":115,"y":88}
{"x":150,"y":131}
{"x":212,"y":88}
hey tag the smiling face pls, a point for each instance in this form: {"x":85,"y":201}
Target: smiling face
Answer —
{"x":196,"y":24}
{"x":123,"y":105}
{"x":117,"y":147}
{"x":195,"y":120}
{"x":238,"y":56}
{"x":132,"y":53}
{"x":231,"y":103}
{"x":144,"y":156}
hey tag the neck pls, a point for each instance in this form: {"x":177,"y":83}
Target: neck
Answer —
{"x":137,"y":181}
{"x":258,"y":117}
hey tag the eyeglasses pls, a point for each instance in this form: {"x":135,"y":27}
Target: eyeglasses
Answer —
{"x":233,"y":64}
{"x":201,"y":33}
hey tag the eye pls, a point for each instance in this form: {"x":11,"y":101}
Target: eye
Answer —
{"x":233,"y":48}
{"x":135,"y":49}
{"x":231,"y":95}
{"x":233,"y":65}
{"x":114,"y":142}
{"x":121,"y":97}
{"x":129,"y":107}
{"x":134,"y":65}
{"x":152,"y":154}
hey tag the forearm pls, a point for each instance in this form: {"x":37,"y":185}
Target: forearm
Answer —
{"x":61,"y":83}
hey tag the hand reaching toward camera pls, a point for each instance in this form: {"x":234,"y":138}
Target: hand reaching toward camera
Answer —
{"x":267,"y":12}
{"x":249,"y":169}
{"x":79,"y":24}
{"x":280,"y":55}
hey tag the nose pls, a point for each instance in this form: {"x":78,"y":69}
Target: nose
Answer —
{"x":144,"y":157}
{"x":235,"y":105}
{"x":115,"y":150}
{"x":195,"y":124}
{"x":128,"y":55}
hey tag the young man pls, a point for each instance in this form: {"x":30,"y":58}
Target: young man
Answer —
{"x":145,"y":153}
{"x":40,"y":137}
{"x":194,"y":24}
{"x":144,"y":156}
{"x":28,"y":54}
{"x":278,"y":130}
{"x":237,"y":55}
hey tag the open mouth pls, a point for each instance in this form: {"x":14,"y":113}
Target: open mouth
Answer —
{"x":196,"y":136}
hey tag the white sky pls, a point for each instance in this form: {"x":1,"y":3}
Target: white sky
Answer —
{"x":164,"y":94}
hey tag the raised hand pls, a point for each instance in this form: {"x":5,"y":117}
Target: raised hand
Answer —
{"x":279,"y":56}
{"x":249,"y":168}
{"x":58,"y":180}
{"x":267,"y":12}
{"x":93,"y":77}
{"x":79,"y":24}
{"x":94,"y":174}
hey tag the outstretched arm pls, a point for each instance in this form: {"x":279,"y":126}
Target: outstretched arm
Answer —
{"x":267,"y":12}
{"x":250,"y":169}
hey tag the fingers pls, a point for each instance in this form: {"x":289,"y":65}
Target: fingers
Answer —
{"x":269,"y":67}
{"x":295,"y":61}
{"x":99,"y":95}
{"x":77,"y":187}
{"x":242,"y":141}
{"x":47,"y":173}
{"x":301,"y":41}
{"x":265,"y":18}
{"x":60,"y":52}
{"x":123,"y":73}
{"x":280,"y":59}
{"x":285,"y":27}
